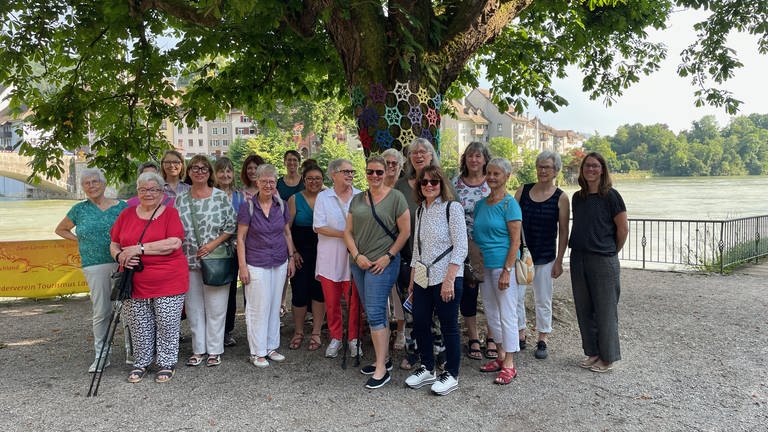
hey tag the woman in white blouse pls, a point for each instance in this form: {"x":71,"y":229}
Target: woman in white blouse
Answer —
{"x":440,"y":243}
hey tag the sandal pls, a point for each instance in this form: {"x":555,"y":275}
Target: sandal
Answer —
{"x":588,"y":362}
{"x":474,"y":353}
{"x":491,"y":353}
{"x":406,"y":365}
{"x":492,"y":366}
{"x":164,"y":375}
{"x":296,"y":341}
{"x":506,"y":376}
{"x":195,"y":360}
{"x":315,"y":342}
{"x":137,"y":375}
{"x":213,"y":360}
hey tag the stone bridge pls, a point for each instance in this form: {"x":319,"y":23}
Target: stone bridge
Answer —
{"x":15,"y":166}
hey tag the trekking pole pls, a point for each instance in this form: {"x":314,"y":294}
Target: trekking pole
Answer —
{"x":109,"y":336}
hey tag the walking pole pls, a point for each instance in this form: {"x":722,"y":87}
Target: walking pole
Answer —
{"x":106,"y":345}
{"x":345,"y":332}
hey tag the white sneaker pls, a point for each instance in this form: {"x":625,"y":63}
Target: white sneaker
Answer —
{"x":259,"y":361}
{"x":445,"y":384}
{"x":420,"y":378}
{"x":92,"y":368}
{"x":353,"y":347}
{"x":333,"y":348}
{"x":275,"y":356}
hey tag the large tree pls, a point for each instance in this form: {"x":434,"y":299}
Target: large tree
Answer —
{"x":103,"y":68}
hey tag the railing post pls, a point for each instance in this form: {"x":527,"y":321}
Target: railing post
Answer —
{"x":643,"y":242}
{"x":721,"y":247}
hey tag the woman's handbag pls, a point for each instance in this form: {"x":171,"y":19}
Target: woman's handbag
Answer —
{"x":524,"y":270}
{"x":218,"y":266}
{"x":421,"y":270}
{"x":121,"y":282}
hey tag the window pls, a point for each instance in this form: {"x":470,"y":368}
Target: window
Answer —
{"x":200,"y":129}
{"x":238,"y":131}
{"x":225,"y":143}
{"x":191,"y":142}
{"x":181,"y":129}
{"x":244,"y":119}
{"x":224,"y":131}
{"x":498,"y":127}
{"x":189,"y":130}
{"x":199,"y":143}
{"x":215,"y":131}
{"x":181,"y":143}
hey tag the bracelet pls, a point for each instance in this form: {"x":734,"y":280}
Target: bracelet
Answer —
{"x":355,"y":259}
{"x":142,"y":248}
{"x":118,"y":256}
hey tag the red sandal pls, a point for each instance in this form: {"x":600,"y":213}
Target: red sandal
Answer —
{"x":506,"y":376}
{"x":492,"y":366}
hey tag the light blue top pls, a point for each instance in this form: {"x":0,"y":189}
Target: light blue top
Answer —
{"x":490,"y":230}
{"x":92,"y":227}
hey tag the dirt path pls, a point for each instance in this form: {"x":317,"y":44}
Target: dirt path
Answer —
{"x":694,"y":349}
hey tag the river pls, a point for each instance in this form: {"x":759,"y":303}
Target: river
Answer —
{"x":660,"y":197}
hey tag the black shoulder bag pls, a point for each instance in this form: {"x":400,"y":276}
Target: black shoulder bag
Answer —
{"x":375,"y":216}
{"x":122,"y":280}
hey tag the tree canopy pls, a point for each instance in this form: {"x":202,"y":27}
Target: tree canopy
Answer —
{"x":100,"y":72}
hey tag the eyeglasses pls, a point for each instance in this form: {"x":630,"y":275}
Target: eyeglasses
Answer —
{"x":153,"y":191}
{"x":373,"y":171}
{"x":593,"y":166}
{"x":350,"y":173}
{"x":174,"y":163}
{"x":199,"y":169}
{"x":544,"y":167}
{"x":420,"y":152}
{"x":313,"y":179}
{"x":433,"y":182}
{"x":266,"y":182}
{"x":90,"y":183}
{"x":392,"y":163}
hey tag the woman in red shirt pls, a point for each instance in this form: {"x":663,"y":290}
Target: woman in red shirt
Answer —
{"x":160,"y":279}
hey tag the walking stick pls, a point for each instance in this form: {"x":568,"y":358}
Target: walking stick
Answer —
{"x":106,"y":345}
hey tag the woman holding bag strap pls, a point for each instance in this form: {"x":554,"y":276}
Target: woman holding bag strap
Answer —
{"x":209,"y":221}
{"x":442,"y":245}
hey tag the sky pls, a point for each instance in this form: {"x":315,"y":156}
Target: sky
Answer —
{"x":663,"y":97}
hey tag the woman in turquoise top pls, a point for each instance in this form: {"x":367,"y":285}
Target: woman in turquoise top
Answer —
{"x":497,"y":232}
{"x":304,"y":286}
{"x":93,"y":219}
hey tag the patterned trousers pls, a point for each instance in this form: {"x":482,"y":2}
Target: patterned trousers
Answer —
{"x":154,"y":325}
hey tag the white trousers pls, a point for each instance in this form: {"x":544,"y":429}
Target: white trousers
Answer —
{"x":262,"y":308}
{"x":501,"y":308}
{"x":206,"y":308}
{"x":542,"y":296}
{"x":99,"y":284}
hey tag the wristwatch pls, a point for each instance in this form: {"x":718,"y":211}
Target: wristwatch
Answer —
{"x":391,"y":257}
{"x":508,"y":269}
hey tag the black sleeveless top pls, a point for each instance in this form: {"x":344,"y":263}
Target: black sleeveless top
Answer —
{"x":540,"y":225}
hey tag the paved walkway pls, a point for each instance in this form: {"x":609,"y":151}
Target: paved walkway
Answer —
{"x":694,"y":349}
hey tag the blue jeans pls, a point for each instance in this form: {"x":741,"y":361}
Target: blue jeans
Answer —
{"x":427,"y":301}
{"x":374,"y":291}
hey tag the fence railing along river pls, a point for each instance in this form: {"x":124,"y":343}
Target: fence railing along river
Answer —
{"x":713,"y":245}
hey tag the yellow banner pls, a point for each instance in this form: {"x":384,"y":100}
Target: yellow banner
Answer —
{"x":41,"y":268}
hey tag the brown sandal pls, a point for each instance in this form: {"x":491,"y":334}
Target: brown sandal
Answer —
{"x":296,"y":341}
{"x":315,"y":342}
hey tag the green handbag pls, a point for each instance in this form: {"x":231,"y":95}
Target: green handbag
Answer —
{"x":218,"y":267}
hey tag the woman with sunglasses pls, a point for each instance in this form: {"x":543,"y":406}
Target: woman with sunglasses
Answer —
{"x":441,"y":245}
{"x":304,"y":287}
{"x":378,"y":226}
{"x":172,"y":167}
{"x":209,"y":222}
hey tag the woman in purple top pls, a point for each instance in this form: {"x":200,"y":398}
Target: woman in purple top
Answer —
{"x":265,"y":253}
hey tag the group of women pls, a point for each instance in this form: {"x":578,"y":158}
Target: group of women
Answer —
{"x":456,"y":239}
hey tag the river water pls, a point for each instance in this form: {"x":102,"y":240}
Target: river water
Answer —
{"x":706,"y":198}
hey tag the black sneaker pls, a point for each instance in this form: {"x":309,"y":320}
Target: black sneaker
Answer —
{"x":523,"y":345}
{"x":541,"y":350}
{"x":229,"y":341}
{"x":371,"y":368}
{"x":376,"y":383}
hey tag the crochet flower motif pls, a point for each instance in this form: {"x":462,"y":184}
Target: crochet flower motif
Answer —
{"x":377,"y":93}
{"x":432,"y":117}
{"x":393,"y":116}
{"x":414,"y":115}
{"x":358,"y":97}
{"x":406,"y":136}
{"x":402,"y":91}
{"x":368,"y":117}
{"x":422,"y":95}
{"x":384,"y":139}
{"x":365,"y":138}
{"x":438,"y":101}
{"x":426,"y":134}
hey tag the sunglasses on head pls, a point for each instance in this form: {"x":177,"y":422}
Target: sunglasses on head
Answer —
{"x":433,"y":182}
{"x":378,"y":172}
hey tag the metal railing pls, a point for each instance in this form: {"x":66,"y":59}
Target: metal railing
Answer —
{"x":714,"y":245}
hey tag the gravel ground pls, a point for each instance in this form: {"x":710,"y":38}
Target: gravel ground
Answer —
{"x":694,"y":352}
